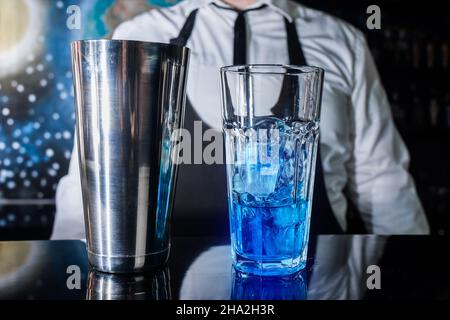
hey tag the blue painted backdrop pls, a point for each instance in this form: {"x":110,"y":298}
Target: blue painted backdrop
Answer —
{"x":36,"y":95}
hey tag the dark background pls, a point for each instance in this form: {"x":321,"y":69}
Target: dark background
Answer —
{"x":412,"y":54}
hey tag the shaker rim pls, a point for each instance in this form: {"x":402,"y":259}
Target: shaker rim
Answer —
{"x":180,"y":49}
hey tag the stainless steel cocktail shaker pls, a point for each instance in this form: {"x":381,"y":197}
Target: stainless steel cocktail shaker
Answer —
{"x":130,"y":99}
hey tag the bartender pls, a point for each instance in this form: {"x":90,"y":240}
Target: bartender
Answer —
{"x":362,"y":161}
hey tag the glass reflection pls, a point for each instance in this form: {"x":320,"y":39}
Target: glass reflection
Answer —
{"x":253,"y":287}
{"x":145,"y":286}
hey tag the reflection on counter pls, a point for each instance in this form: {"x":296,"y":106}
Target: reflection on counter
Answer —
{"x":412,"y":268}
{"x":253,"y":287}
{"x":18,"y":260}
{"x":340,"y":266}
{"x":143,"y":286}
{"x":339,"y":271}
{"x":32,"y":270}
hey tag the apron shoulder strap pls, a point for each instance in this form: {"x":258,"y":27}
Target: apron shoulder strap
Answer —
{"x":186,"y":30}
{"x":323,"y":219}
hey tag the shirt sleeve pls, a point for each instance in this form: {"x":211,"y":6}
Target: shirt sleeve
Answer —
{"x":69,"y":222}
{"x":379,"y":185}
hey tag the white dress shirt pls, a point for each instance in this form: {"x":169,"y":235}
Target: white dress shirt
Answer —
{"x":361,"y":150}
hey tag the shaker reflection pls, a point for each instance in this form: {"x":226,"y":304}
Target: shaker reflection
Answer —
{"x":145,"y":286}
{"x":253,"y":287}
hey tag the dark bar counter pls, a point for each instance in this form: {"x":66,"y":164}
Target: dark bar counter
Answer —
{"x":347,"y":267}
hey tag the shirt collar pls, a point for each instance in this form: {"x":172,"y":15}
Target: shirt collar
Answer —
{"x":283,"y":7}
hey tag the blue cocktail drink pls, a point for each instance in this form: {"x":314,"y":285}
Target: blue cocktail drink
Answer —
{"x":269,"y":206}
{"x":270,"y":169}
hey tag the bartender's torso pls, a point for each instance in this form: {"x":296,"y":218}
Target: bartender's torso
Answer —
{"x":360,"y":149}
{"x":326,"y":42}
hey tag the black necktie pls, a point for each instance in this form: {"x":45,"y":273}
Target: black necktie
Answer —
{"x":240,"y":40}
{"x":240,"y":34}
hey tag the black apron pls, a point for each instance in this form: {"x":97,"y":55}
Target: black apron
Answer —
{"x":202,"y":189}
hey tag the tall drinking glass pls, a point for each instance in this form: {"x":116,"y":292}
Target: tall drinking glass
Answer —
{"x":271,"y":128}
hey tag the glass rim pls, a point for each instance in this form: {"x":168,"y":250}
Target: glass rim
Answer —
{"x":277,"y":69}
